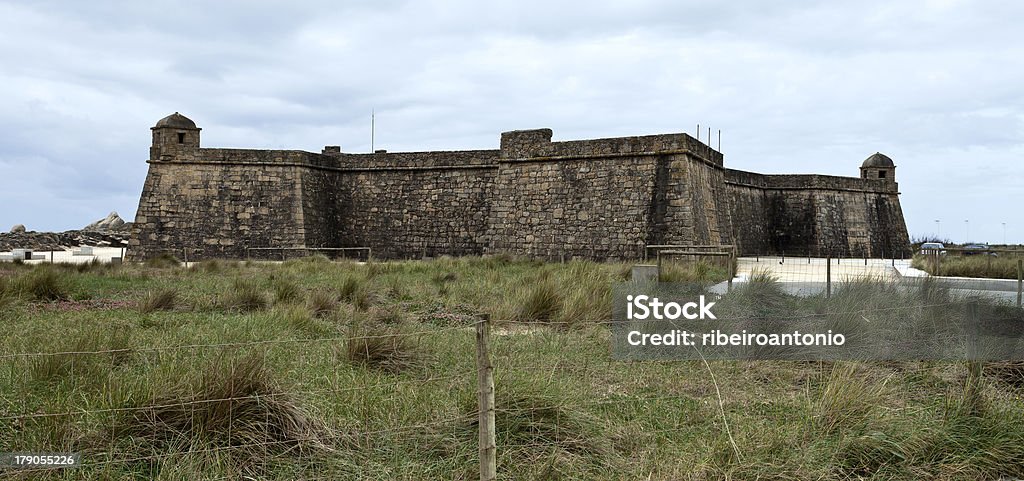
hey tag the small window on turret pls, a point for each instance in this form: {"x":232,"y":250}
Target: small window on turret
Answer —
{"x":181,"y":137}
{"x":881,"y":174}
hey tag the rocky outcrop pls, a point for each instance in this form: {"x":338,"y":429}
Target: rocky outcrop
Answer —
{"x":18,"y":229}
{"x":112,"y":222}
{"x":47,"y":241}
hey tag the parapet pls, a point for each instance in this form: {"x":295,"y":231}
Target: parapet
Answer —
{"x":537,"y":145}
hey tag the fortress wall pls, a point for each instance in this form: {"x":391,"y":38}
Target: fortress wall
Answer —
{"x":321,"y":201}
{"x":217,"y":210}
{"x":605,"y":198}
{"x":396,"y":160}
{"x":698,"y":211}
{"x":815,"y":214}
{"x":596,"y":199}
{"x":405,"y":214}
{"x":589,"y":208}
{"x":752,"y":230}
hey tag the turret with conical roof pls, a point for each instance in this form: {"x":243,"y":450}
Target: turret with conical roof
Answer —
{"x":174,"y":137}
{"x":878,"y":166}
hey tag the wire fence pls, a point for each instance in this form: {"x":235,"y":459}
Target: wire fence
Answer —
{"x":485,"y":370}
{"x":553,"y":419}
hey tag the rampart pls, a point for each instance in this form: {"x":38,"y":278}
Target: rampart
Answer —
{"x":595,"y":199}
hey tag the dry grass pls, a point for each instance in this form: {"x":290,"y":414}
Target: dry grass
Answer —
{"x":846,"y":400}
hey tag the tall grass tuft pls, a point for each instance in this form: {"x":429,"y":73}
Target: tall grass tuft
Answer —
{"x":235,"y":404}
{"x":322,"y":303}
{"x":159,"y":300}
{"x":1003,"y":267}
{"x":539,"y":426}
{"x":88,"y":357}
{"x":162,"y":261}
{"x":45,"y":284}
{"x":300,"y":319}
{"x":7,"y":292}
{"x":245,"y":296}
{"x":286,"y":292}
{"x":540,"y":302}
{"x":381,"y":348}
{"x":846,"y":400}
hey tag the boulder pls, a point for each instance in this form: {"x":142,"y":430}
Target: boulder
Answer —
{"x":111,"y":222}
{"x":18,"y":229}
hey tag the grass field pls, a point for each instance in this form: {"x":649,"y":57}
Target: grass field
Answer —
{"x":318,"y":370}
{"x":1001,"y":267}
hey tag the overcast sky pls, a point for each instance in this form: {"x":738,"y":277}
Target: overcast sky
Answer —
{"x":805,"y":87}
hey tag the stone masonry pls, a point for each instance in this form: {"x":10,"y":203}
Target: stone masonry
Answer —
{"x":596,"y":199}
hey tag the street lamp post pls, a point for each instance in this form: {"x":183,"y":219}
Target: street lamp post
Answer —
{"x":967,"y":228}
{"x":1004,"y":233}
{"x":938,"y":230}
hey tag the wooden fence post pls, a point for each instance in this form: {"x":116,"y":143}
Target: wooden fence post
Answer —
{"x":828,"y":277}
{"x":485,"y":390}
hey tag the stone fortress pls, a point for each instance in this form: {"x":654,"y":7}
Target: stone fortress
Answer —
{"x":595,"y":199}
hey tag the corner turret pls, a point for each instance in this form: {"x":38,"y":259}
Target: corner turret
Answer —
{"x":878,"y":167}
{"x":175,"y":137}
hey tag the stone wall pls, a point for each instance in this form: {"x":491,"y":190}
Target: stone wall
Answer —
{"x":423,"y":205}
{"x":816,"y":215}
{"x":217,"y":210}
{"x":605,"y":198}
{"x":590,"y":208}
{"x":596,"y":199}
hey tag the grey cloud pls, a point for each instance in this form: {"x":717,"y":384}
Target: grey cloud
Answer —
{"x":810,"y":86}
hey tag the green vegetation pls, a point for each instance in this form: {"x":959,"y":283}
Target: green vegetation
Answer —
{"x":995,"y":267}
{"x":334,"y":370}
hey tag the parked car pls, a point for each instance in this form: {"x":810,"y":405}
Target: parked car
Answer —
{"x":973,"y":249}
{"x":929,"y":248}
